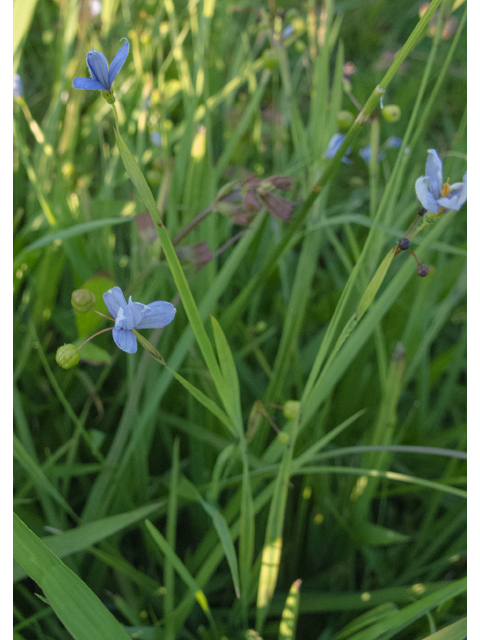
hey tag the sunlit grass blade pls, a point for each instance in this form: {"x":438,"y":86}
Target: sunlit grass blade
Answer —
{"x":23,"y":11}
{"x":272,"y":548}
{"x":288,"y":623}
{"x":455,"y":631}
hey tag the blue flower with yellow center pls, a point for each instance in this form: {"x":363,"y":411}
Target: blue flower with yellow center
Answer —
{"x":102,"y":75}
{"x":135,"y":315}
{"x":435,"y":195}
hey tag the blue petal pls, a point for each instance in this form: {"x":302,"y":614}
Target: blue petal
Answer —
{"x":366,"y":153}
{"x":117,"y":63}
{"x":334,"y":145}
{"x":97,"y":64}
{"x":17,"y":86}
{"x":456,"y":198}
{"x":157,"y":315}
{"x":115,"y":300}
{"x":394,"y":142}
{"x":424,"y":195}
{"x":125,"y":340}
{"x":134,"y":313}
{"x":87,"y":83}
{"x":434,"y":171}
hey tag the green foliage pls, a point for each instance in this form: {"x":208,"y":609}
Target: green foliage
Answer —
{"x":302,"y":419}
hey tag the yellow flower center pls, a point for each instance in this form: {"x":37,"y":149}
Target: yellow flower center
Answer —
{"x":445,"y":190}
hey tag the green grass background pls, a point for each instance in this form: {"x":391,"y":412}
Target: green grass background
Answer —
{"x":186,"y":502}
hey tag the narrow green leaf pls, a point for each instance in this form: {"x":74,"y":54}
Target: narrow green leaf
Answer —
{"x":64,"y":234}
{"x":205,"y":400}
{"x":403,"y":618}
{"x":181,"y":569}
{"x":223,"y":531}
{"x":86,"y":535}
{"x":168,"y":570}
{"x":79,"y":609}
{"x":374,"y":284}
{"x":375,"y":534}
{"x":230,"y":387}
{"x":37,"y":474}
{"x":367,"y":619}
{"x":138,"y":179}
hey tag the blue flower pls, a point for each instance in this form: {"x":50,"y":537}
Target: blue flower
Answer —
{"x":156,"y":138}
{"x":17,"y":86}
{"x":367,"y":152}
{"x":102,"y":76}
{"x":135,"y":315}
{"x":394,"y":142}
{"x":435,"y":195}
{"x":334,"y":145}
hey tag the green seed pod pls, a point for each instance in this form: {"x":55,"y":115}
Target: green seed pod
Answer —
{"x":392,"y":113}
{"x":291,"y":409}
{"x":67,"y":356}
{"x":345,"y":119}
{"x":260,"y":326}
{"x":83,"y":300}
{"x":270,"y":59}
{"x":154,"y":177}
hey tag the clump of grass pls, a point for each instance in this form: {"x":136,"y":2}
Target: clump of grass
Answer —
{"x":293,"y":464}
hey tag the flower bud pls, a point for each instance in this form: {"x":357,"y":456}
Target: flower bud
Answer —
{"x":392,"y":112}
{"x":83,"y":300}
{"x":283,"y":437}
{"x":422,"y":270}
{"x":403,"y":244}
{"x":291,"y":409}
{"x":270,"y":59}
{"x":261,"y":326}
{"x":67,"y":356}
{"x":345,"y":119}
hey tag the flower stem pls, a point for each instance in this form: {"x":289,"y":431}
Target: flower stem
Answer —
{"x":116,"y":116}
{"x":94,"y":335}
{"x":422,"y":226}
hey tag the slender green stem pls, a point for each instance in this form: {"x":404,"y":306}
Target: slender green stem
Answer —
{"x":116,"y":116}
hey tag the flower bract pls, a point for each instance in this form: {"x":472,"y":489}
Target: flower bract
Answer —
{"x":435,"y":195}
{"x":135,"y":315}
{"x":102,"y":75}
